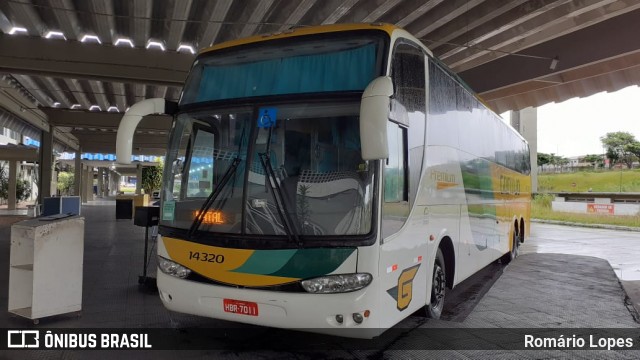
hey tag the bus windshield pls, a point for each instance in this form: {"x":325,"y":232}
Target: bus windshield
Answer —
{"x":331,"y":63}
{"x":312,"y":150}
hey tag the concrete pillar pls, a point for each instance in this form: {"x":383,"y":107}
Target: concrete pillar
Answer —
{"x":112,"y":183}
{"x":83,"y":188}
{"x":139,"y":179}
{"x":100,"y":182}
{"x":90,"y":183}
{"x":13,"y":182}
{"x":77,"y":174}
{"x":109,"y":183}
{"x":526,"y":122}
{"x":46,"y":165}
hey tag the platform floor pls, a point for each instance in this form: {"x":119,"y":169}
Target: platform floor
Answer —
{"x":535,"y":291}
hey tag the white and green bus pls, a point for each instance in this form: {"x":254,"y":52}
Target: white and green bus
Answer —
{"x":329,"y":178}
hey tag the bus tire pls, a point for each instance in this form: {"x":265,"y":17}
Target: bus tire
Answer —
{"x":438,"y":287}
{"x":513,"y":253}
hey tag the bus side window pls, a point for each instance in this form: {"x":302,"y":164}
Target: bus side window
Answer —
{"x":395,"y":208}
{"x":406,"y":136}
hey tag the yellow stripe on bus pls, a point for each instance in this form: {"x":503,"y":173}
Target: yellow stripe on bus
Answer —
{"x":217,"y":263}
{"x":322,"y":29}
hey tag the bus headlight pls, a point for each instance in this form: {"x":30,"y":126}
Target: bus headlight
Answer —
{"x":172,"y":268}
{"x":337,"y":283}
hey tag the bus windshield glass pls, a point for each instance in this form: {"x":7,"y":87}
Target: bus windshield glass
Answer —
{"x":306,"y":155}
{"x":332,"y":63}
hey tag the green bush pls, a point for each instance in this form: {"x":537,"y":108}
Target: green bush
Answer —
{"x":23,"y":188}
{"x":543,"y":200}
{"x":152,"y":178}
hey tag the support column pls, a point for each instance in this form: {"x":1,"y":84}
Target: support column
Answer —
{"x":77,"y":174}
{"x":13,"y":182}
{"x":89,"y":183}
{"x":526,"y":122}
{"x":139,"y":179}
{"x":100,"y":182}
{"x":110,"y":183}
{"x":105,"y":189}
{"x":83,"y":188}
{"x":46,"y":165}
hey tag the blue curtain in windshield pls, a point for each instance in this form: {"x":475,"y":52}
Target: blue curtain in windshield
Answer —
{"x":341,"y":71}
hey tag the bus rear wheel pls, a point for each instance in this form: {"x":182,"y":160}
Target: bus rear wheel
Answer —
{"x":438,"y":287}
{"x":515,"y":244}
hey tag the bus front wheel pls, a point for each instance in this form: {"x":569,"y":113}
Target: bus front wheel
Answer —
{"x":438,"y":287}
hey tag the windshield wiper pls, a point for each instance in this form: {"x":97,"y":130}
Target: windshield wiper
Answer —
{"x":214,"y":195}
{"x":288,"y":223}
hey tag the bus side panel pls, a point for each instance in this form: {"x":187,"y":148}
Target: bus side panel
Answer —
{"x":407,"y":257}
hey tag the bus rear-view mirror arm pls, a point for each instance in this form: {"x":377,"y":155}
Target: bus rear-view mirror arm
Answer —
{"x":374,"y":114}
{"x":130,"y":121}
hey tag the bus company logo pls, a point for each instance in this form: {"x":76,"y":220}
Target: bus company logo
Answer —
{"x":443,"y":180}
{"x":21,"y":339}
{"x":509,"y":185}
{"x":403,"y":293}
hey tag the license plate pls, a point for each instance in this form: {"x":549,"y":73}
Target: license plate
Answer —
{"x":240,"y":307}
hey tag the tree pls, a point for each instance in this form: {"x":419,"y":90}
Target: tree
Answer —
{"x":543,"y":159}
{"x":151,"y":178}
{"x":617,"y":147}
{"x":593,"y":159}
{"x":23,"y":190}
{"x":634,"y":148}
{"x":65,"y":182}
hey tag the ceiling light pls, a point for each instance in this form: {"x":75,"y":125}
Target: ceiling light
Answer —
{"x":55,"y":34}
{"x":94,"y":108}
{"x":56,"y":104}
{"x":15,"y":30}
{"x":155,"y":44}
{"x":91,"y":37}
{"x":75,"y":106}
{"x":188,"y":48}
{"x":124,"y":41}
{"x":113,"y":108}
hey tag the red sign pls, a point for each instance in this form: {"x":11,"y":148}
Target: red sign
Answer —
{"x":600,"y":209}
{"x":240,"y":307}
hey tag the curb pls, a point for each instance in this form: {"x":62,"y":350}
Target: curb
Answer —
{"x":593,"y":226}
{"x":632,"y":302}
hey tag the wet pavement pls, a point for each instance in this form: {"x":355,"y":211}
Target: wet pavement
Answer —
{"x":619,"y":247}
{"x":538,"y":291}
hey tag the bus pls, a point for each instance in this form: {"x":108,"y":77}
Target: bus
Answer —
{"x":330,"y":178}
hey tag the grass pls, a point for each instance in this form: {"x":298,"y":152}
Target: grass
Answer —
{"x":583,"y":181}
{"x":541,"y":209}
{"x":597,"y":181}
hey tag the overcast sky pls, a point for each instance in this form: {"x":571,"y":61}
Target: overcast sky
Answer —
{"x":574,"y":127}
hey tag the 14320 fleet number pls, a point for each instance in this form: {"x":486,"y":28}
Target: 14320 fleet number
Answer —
{"x":206,"y":257}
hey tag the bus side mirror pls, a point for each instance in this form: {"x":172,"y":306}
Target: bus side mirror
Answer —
{"x":130,"y":121}
{"x":374,"y":115}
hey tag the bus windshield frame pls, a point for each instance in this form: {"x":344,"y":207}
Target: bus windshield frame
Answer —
{"x":246,"y":143}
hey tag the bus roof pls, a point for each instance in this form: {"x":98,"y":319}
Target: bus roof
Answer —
{"x":300,"y":31}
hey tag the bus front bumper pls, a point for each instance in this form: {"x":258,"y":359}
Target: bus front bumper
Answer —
{"x":300,"y":311}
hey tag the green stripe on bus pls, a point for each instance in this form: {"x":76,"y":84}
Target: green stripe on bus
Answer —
{"x":265,"y":262}
{"x":307,"y":263}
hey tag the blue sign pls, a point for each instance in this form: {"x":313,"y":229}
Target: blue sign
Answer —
{"x":267,"y":117}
